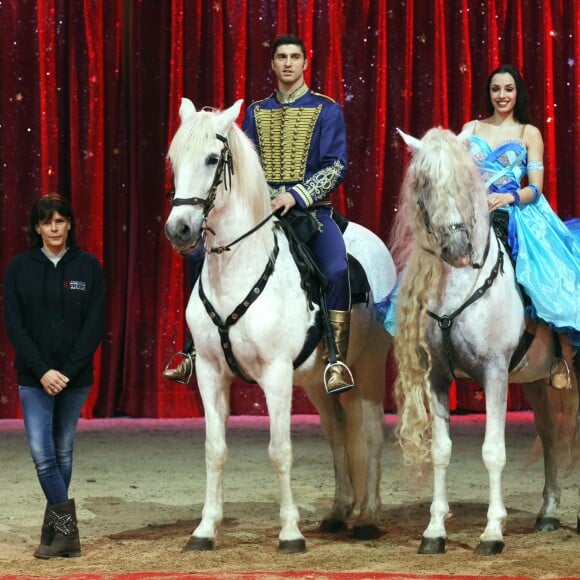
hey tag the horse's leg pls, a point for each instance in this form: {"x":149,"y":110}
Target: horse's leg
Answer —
{"x":332,"y":422}
{"x":539,"y":399}
{"x":491,"y":542}
{"x":435,"y":535}
{"x":565,"y":404}
{"x":277,"y":385}
{"x":365,"y":436}
{"x":214,"y":390}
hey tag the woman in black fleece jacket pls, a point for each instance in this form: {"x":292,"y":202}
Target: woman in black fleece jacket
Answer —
{"x":54,"y":307}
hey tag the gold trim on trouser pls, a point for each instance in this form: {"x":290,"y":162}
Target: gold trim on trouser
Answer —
{"x":337,"y":376}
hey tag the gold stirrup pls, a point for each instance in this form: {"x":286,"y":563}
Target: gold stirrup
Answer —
{"x":183,"y":372}
{"x":560,"y":375}
{"x":337,"y":376}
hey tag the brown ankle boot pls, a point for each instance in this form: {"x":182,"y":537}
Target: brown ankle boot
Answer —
{"x":337,"y":376}
{"x":183,"y":372}
{"x":61,"y":520}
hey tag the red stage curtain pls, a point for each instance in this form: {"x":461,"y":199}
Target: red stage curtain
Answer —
{"x":89,"y":100}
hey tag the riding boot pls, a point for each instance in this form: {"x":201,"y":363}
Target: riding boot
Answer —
{"x":337,"y":376}
{"x":183,"y":372}
{"x":62,"y":535}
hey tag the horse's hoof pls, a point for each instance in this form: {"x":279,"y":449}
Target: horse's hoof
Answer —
{"x":199,"y":545}
{"x":366,"y":532}
{"x":491,"y":548}
{"x":292,"y":546}
{"x":547,"y":524}
{"x":332,"y":526}
{"x":432,"y":546}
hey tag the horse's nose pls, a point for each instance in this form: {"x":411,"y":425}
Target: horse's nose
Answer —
{"x":457,"y":252}
{"x":179,"y":232}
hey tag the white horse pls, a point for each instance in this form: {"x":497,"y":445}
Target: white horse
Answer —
{"x":460,"y":314}
{"x":250,"y":282}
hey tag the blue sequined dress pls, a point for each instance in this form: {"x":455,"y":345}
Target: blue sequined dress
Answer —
{"x":546,"y":249}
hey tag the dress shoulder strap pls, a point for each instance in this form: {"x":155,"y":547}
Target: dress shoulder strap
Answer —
{"x":522,"y":131}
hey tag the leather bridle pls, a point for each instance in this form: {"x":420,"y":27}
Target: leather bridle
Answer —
{"x":453,"y":228}
{"x":225,"y":160}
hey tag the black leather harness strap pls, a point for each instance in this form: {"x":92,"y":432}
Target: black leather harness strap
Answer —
{"x":312,"y":336}
{"x":239,"y":311}
{"x":446,"y":321}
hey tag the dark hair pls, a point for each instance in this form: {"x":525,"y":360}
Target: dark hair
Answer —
{"x":287,"y":39}
{"x":44,"y":209}
{"x":521,"y":109}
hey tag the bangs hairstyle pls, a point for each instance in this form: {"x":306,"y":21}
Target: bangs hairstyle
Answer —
{"x":43,"y":210}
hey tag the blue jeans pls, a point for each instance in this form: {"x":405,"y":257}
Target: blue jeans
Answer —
{"x":51,"y":424}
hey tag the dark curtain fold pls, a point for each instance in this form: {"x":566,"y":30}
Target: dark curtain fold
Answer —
{"x":90,"y":96}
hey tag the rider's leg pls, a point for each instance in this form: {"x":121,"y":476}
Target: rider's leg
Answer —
{"x":183,"y":372}
{"x":330,"y":252}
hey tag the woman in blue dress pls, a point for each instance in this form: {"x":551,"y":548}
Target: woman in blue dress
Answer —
{"x":509,"y":151}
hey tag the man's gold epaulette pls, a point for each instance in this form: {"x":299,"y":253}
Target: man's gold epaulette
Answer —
{"x":323,"y":96}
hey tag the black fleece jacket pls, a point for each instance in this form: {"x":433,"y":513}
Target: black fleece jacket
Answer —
{"x":54,"y":315}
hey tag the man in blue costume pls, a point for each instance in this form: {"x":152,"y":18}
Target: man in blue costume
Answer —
{"x":301,"y":138}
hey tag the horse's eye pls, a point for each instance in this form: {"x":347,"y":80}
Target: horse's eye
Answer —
{"x":212,"y":159}
{"x":170,"y":194}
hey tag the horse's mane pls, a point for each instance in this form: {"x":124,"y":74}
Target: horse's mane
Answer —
{"x":248,"y":180}
{"x":443,"y":173}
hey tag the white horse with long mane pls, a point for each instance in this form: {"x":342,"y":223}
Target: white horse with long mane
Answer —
{"x":255,"y":312}
{"x":460,"y":314}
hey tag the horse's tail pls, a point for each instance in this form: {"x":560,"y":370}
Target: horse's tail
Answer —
{"x":413,"y":394}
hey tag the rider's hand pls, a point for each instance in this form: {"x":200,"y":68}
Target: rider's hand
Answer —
{"x":497,"y":200}
{"x":283,"y":200}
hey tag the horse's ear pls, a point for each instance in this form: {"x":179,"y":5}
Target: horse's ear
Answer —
{"x":229,"y":116}
{"x":186,"y":110}
{"x":412,"y":142}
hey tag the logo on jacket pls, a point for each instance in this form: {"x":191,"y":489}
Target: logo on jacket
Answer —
{"x":75,"y":285}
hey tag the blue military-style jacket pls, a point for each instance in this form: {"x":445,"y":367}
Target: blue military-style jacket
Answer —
{"x":301,"y":142}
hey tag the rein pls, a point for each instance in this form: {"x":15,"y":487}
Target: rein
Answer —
{"x":446,"y":321}
{"x":228,"y":247}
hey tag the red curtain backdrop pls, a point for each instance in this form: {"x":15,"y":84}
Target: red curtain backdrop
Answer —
{"x":88,"y":103}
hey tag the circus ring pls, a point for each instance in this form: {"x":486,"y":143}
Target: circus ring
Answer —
{"x":139,"y":487}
